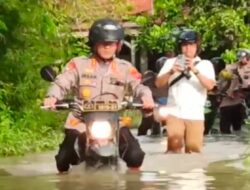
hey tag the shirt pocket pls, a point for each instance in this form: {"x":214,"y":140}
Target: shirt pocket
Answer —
{"x":88,"y":88}
{"x":114,"y":87}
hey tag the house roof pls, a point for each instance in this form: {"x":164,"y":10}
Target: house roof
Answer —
{"x":141,"y":6}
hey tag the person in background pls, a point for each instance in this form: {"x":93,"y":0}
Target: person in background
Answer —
{"x":213,"y":98}
{"x":234,"y":81}
{"x":188,"y":78}
{"x":159,"y":95}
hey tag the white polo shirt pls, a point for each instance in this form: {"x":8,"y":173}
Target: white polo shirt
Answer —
{"x":187,"y":97}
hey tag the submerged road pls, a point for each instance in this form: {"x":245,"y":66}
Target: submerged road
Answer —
{"x":216,"y":148}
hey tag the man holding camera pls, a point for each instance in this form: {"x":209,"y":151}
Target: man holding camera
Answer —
{"x":188,"y":78}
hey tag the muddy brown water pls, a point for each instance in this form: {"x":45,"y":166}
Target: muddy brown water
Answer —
{"x":218,"y":167}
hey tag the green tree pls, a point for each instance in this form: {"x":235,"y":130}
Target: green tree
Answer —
{"x":223,"y":25}
{"x":34,"y":33}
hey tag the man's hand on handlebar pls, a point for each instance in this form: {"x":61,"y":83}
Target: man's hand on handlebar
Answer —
{"x":148,"y":103}
{"x":50,"y":102}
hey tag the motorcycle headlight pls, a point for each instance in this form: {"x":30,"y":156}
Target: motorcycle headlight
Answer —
{"x":101,"y":129}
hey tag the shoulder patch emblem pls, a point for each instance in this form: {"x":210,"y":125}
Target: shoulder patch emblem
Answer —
{"x":71,"y":65}
{"x":135,"y":74}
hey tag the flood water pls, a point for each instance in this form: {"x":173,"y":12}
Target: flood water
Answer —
{"x":219,"y":167}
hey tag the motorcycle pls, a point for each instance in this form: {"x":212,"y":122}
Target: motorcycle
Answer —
{"x":102,"y":121}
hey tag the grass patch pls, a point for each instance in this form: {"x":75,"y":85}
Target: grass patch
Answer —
{"x":33,"y":132}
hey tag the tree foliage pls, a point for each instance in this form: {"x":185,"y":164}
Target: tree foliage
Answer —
{"x":34,"y":33}
{"x":86,"y":11}
{"x":223,"y":25}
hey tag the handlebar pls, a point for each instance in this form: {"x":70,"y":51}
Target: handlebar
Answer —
{"x":57,"y":106}
{"x":131,"y":104}
{"x":243,"y":89}
{"x":68,"y":104}
{"x":64,"y":104}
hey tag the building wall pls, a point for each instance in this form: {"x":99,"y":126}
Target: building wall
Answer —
{"x":142,"y":6}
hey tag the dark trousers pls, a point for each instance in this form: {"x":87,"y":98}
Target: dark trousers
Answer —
{"x":149,"y":123}
{"x":209,"y":121}
{"x":231,"y":116}
{"x":211,"y":116}
{"x":129,"y":149}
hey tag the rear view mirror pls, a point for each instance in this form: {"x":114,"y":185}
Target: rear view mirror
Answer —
{"x":148,"y":78}
{"x":219,"y":64}
{"x":48,"y":73}
{"x":159,"y":63}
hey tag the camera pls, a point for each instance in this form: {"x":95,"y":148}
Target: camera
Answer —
{"x":182,"y":61}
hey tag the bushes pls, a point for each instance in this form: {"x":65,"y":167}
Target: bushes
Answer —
{"x":30,"y":134}
{"x":223,"y":25}
{"x":35,"y":33}
{"x":29,"y":39}
{"x":26,"y":128}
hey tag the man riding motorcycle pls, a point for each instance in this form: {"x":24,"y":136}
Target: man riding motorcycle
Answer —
{"x":234,"y":81}
{"x":89,"y":77}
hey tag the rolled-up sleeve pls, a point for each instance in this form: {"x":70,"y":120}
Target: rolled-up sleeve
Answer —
{"x":207,"y":69}
{"x":167,"y":66}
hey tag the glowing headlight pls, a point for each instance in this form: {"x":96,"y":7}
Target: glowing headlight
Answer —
{"x":101,"y":129}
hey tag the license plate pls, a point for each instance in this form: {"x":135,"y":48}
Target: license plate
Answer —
{"x":100,"y":106}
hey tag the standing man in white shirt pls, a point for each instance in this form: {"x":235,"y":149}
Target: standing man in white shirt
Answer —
{"x":189,"y":78}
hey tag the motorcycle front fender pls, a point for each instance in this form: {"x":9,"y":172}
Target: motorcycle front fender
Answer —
{"x":105,"y":150}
